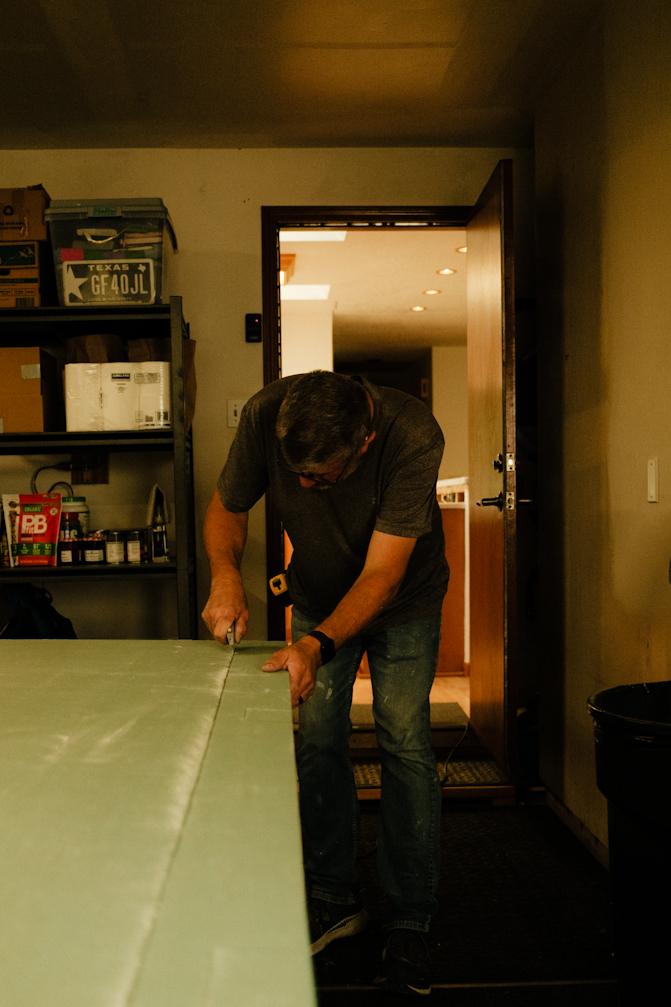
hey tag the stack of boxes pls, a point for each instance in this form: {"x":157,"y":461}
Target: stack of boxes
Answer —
{"x":100,"y":252}
{"x":30,"y":399}
{"x":26,"y":270}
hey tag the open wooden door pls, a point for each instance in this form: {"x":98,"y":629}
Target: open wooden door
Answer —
{"x":492,"y":466}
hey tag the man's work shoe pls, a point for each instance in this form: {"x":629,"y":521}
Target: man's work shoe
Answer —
{"x":405,"y":963}
{"x":329,"y":922}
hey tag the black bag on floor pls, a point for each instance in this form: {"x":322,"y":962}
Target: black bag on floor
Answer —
{"x":33,"y":617}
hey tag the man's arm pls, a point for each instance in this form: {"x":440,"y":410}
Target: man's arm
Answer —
{"x":387,"y":559}
{"x":225,"y":535}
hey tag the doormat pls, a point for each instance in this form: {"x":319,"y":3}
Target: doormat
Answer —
{"x":453,"y":772}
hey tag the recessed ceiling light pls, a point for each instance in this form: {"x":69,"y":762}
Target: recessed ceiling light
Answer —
{"x":446,"y":271}
{"x":418,"y":307}
{"x":462,"y":248}
{"x":431,"y":291}
{"x":313,"y":234}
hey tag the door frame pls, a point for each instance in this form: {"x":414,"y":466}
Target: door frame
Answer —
{"x":519,"y":760}
{"x":273,"y":220}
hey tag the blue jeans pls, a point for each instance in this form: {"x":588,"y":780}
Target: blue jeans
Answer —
{"x":402,"y":660}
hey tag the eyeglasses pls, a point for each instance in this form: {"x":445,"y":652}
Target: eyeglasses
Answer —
{"x":322,"y":480}
{"x":318,"y":479}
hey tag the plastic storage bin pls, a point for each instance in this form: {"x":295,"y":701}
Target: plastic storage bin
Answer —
{"x":111,"y":251}
{"x":632,"y":733}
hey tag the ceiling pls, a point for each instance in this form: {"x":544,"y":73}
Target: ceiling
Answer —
{"x":376,"y":278}
{"x":279,"y":73}
{"x":296,"y":73}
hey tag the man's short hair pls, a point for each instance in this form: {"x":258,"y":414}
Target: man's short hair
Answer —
{"x":324,"y":417}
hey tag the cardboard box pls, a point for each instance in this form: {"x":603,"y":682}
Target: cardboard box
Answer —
{"x":19,"y":274}
{"x":26,"y":274}
{"x":23,"y":294}
{"x":20,"y":259}
{"x":96,"y":348}
{"x":30,"y":400}
{"x":22,"y":213}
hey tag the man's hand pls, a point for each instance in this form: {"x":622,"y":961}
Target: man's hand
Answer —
{"x":301,"y":660}
{"x":226,"y":607}
{"x":225,"y":534}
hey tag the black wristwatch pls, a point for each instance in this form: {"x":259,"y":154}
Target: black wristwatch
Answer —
{"x":326,"y":645}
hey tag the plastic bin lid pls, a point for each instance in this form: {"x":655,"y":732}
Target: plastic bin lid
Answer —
{"x":644,"y":705}
{"x":130,"y":207}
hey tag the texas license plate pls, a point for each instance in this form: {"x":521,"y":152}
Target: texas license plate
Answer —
{"x":109,"y":281}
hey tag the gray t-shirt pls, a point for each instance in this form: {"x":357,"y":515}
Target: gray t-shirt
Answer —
{"x":393,"y":490}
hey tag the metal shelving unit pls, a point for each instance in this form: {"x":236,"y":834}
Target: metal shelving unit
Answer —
{"x":49,"y":328}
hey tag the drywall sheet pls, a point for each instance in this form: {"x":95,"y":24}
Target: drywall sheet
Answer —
{"x":148,"y":796}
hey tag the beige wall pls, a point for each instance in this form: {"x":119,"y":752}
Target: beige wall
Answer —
{"x":603,"y":187}
{"x":307,"y":336}
{"x":450,"y":407}
{"x":214,"y":198}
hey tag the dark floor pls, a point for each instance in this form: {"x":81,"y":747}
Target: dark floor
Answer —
{"x":524,"y":916}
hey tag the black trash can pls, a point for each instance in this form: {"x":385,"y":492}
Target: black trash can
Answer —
{"x":632,"y":734}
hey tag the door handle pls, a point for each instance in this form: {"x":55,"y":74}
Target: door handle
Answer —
{"x":492,"y":501}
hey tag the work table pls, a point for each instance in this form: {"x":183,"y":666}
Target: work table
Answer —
{"x":150,"y":848}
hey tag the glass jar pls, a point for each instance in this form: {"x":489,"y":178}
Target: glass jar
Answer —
{"x":114,"y":547}
{"x":79,"y":507}
{"x":68,"y":551}
{"x":93,"y":548}
{"x":69,"y":537}
{"x":134,"y":545}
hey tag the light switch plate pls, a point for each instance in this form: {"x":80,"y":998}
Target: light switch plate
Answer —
{"x":233,"y":410}
{"x":653,"y":480}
